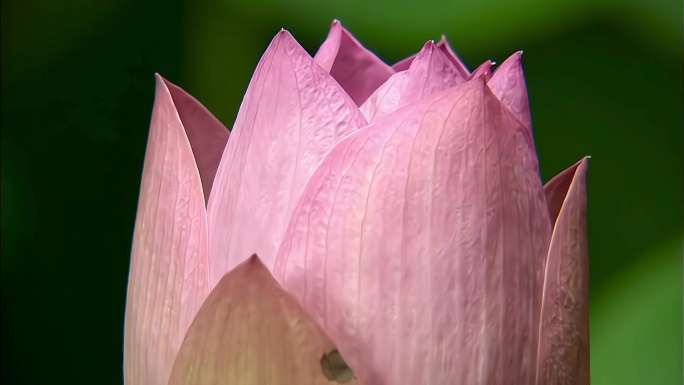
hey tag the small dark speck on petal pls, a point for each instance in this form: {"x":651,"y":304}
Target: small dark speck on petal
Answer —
{"x":334,"y":368}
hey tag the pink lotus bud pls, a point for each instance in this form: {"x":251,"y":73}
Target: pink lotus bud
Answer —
{"x":402,"y":230}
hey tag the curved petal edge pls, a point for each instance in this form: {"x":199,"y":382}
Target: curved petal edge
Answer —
{"x":444,"y":46}
{"x":207,"y":135}
{"x":508,"y":84}
{"x":293,"y":113}
{"x":430,"y":72}
{"x":563,"y":352}
{"x":358,"y":70}
{"x":418,"y":244}
{"x":251,"y":332}
{"x":168,"y":277}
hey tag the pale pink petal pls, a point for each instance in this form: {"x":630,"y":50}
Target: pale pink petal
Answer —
{"x":451,"y":54}
{"x":206,"y":134}
{"x":292,"y":115}
{"x":403,"y":64}
{"x":484,"y":70}
{"x":418,"y":245}
{"x":168,"y":277}
{"x":251,"y":332}
{"x":357,"y":69}
{"x":508,"y":84}
{"x":430,"y":72}
{"x":443,"y":46}
{"x":563,"y":356}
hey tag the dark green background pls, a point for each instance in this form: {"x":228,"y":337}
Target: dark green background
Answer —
{"x":605,"y":79}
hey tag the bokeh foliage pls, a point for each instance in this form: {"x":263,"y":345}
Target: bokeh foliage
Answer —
{"x":605,"y":79}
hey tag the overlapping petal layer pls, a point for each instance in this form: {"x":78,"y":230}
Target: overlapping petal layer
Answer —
{"x":443,"y":46}
{"x":206,"y":134}
{"x":169,"y":269}
{"x":357,"y":69}
{"x":419,"y":243}
{"x":484,"y":70}
{"x":251,"y":332}
{"x":429,"y":72}
{"x":292,"y":115}
{"x":564,"y":330}
{"x":508,"y":84}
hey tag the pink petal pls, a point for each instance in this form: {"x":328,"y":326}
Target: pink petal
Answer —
{"x":418,"y":245}
{"x":508,"y":84}
{"x":403,"y":64}
{"x":443,"y":46}
{"x":451,"y":54}
{"x":430,"y":72}
{"x":206,"y":134}
{"x":168,"y":276}
{"x":356,"y":68}
{"x":292,"y":115}
{"x":484,"y":70}
{"x":563,"y":356}
{"x":249,"y":331}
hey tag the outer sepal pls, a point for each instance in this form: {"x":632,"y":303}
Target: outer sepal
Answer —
{"x":563,"y":356}
{"x":168,"y":277}
{"x":251,"y":332}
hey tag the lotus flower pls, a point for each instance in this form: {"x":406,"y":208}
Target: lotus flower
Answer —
{"x":363,"y":223}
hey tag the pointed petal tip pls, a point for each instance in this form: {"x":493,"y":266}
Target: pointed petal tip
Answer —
{"x":171,"y":191}
{"x":572,"y":171}
{"x":565,"y":322}
{"x":508,"y":84}
{"x":231,"y":339}
{"x":250,"y":266}
{"x":168,"y":84}
{"x":557,"y":188}
{"x":583,"y":165}
{"x":484,"y":70}
{"x":514,"y":59}
{"x":337,"y":26}
{"x":427,"y":49}
{"x":283,"y":36}
{"x":159,"y":79}
{"x":285,"y":71}
{"x":255,"y":262}
{"x":253,"y":266}
{"x":162,"y":88}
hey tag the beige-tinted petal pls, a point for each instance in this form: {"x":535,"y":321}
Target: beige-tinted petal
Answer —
{"x":251,"y":332}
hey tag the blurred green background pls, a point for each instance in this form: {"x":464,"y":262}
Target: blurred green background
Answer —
{"x":605,"y":79}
